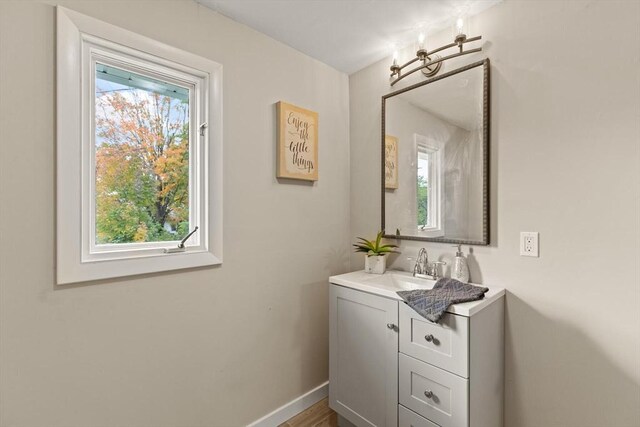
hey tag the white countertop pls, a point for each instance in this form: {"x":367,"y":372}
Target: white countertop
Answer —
{"x":387,"y":284}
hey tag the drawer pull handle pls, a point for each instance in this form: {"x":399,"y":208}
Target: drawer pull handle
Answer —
{"x":391,"y":326}
{"x":429,"y":338}
{"x":429,"y":394}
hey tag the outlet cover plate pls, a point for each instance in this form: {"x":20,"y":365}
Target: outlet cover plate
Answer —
{"x":529,"y":243}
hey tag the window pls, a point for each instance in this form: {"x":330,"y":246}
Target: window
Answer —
{"x":139,"y":154}
{"x":429,"y":169}
{"x":141,"y":172}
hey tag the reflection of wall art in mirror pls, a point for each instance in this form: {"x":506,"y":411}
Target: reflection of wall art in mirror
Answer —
{"x":297,"y":145}
{"x":390,"y":162}
{"x":441,"y":133}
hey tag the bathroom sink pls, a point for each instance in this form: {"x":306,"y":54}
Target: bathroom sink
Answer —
{"x":399,"y":281}
{"x":392,"y":281}
{"x":386,"y":284}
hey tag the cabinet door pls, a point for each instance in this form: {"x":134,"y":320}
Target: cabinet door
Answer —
{"x":363,"y":357}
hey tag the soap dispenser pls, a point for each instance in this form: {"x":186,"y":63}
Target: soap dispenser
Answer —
{"x":460,"y":270}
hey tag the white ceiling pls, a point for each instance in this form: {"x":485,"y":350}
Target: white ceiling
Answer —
{"x":346,"y":34}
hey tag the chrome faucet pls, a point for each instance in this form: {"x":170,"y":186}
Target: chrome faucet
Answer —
{"x":425,"y":269}
{"x":422,"y":263}
{"x":434,"y":269}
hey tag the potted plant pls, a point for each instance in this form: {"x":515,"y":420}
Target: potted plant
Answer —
{"x":375,"y":260}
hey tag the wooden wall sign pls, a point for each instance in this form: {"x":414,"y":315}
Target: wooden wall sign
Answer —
{"x":297,"y":146}
{"x":390,"y":162}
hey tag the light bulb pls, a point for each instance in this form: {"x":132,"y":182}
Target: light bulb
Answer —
{"x":460,"y":29}
{"x":460,"y":25}
{"x":395,"y":57}
{"x":420,"y":41}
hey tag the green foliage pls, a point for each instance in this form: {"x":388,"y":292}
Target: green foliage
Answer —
{"x":373,"y":247}
{"x":142,"y":168}
{"x":423,"y":201}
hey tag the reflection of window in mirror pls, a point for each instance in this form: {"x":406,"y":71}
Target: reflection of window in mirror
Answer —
{"x":429,"y":170}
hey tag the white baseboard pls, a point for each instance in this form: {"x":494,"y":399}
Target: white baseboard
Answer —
{"x":293,"y":408}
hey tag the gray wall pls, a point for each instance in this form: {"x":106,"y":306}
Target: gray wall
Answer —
{"x":565,"y":161}
{"x":206,"y":347}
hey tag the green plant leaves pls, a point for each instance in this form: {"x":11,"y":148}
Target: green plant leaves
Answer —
{"x":371,"y":247}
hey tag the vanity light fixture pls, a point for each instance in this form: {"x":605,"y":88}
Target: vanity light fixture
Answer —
{"x":430,"y":63}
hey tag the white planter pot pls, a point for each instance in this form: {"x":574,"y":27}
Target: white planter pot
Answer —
{"x":375,"y":264}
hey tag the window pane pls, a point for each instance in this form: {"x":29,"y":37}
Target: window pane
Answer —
{"x":141,"y":158}
{"x":423,"y":188}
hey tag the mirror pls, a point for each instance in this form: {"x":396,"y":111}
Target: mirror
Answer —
{"x":435,"y":164}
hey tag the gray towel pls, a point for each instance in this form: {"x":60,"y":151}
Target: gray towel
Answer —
{"x":432,"y":303}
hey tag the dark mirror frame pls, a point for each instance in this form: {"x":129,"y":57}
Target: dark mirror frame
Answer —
{"x":485,"y":156}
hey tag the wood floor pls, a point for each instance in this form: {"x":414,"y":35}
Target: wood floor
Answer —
{"x":319,"y":415}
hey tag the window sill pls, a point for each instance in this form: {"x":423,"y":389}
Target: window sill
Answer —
{"x":108,"y":269}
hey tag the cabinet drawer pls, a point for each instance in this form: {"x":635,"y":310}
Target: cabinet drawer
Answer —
{"x":407,"y":418}
{"x":437,"y":395}
{"x":444,"y":344}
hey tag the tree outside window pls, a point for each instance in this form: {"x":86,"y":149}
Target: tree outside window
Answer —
{"x":141,"y":160}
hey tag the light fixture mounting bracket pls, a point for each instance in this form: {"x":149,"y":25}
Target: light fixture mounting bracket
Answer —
{"x":430,"y":63}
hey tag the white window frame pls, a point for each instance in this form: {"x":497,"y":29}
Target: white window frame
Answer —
{"x":82,"y":42}
{"x":97,"y":51}
{"x":435,"y":150}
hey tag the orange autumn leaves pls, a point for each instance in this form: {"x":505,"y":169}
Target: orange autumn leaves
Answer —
{"x":142,"y":167}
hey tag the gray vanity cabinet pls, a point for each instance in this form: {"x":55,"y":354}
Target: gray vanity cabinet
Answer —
{"x":390,"y":367}
{"x":363,"y":371}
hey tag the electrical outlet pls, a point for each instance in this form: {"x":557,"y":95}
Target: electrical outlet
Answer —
{"x":529,"y":243}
